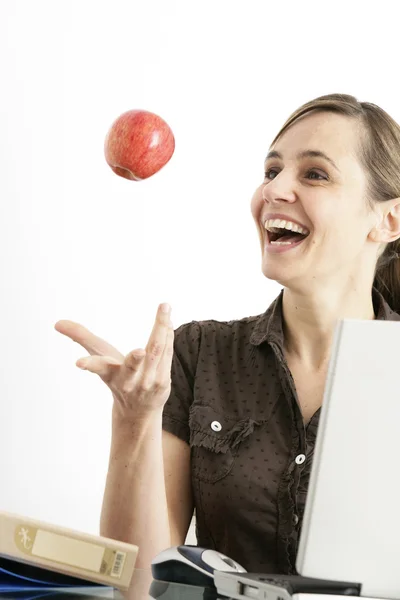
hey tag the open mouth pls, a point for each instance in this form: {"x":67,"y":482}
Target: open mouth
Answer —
{"x":283,"y":236}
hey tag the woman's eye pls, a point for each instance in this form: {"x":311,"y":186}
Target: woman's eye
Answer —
{"x":317,"y":174}
{"x":266,"y":174}
{"x":318,"y":177}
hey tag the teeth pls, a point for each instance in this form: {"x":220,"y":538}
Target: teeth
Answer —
{"x":270,"y":224}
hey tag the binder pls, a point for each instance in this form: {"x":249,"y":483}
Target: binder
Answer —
{"x":40,"y":555}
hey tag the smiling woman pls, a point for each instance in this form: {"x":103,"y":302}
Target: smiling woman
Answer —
{"x":334,"y":167}
{"x":222,"y":416}
{"x":378,"y":152}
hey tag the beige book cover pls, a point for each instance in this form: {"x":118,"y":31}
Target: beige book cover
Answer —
{"x":89,"y":557}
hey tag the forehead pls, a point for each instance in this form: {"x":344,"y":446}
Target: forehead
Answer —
{"x":334,"y":134}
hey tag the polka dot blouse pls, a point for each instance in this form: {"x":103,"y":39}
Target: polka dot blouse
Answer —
{"x":233,"y":400}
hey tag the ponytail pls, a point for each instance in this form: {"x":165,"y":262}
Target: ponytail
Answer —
{"x":387,"y":275}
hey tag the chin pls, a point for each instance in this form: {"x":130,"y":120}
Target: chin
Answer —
{"x":285,"y":277}
{"x":274,"y":274}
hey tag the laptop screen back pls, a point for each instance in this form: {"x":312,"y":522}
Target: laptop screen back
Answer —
{"x":351,"y":527}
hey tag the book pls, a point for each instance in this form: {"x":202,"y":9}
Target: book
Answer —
{"x":36,"y":555}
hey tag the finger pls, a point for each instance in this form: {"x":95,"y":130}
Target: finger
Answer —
{"x":158,"y":337}
{"x":104,"y":366}
{"x":164,"y":368}
{"x":92,"y":343}
{"x":134,"y":359}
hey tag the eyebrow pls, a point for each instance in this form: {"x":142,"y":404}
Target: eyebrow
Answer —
{"x":304,"y":154}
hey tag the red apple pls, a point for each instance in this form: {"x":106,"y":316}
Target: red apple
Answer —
{"x":138,"y":144}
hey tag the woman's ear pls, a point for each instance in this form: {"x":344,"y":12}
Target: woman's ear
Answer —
{"x":387,"y":229}
{"x":392,"y":221}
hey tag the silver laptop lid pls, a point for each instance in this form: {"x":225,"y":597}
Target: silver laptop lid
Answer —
{"x":351,"y":527}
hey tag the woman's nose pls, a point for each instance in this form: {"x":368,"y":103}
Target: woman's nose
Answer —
{"x":280,"y":189}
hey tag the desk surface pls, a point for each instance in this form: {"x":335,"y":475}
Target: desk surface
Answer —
{"x":156,"y":591}
{"x":143,"y":587}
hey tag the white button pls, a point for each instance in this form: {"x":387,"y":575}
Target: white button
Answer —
{"x":216,"y":426}
{"x":295,"y":519}
{"x":300,"y":458}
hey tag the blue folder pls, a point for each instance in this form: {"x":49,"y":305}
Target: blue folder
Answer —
{"x":18,"y":578}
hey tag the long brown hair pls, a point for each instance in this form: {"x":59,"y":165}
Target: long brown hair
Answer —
{"x":379,"y":154}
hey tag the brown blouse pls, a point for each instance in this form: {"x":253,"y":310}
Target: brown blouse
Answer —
{"x":233,"y":399}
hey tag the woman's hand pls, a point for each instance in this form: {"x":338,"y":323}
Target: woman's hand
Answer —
{"x":141,"y":381}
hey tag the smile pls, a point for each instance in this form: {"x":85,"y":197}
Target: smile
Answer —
{"x":283,"y":235}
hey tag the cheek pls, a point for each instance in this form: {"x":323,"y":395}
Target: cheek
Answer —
{"x":256,"y":204}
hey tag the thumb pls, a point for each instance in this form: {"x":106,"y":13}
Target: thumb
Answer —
{"x":104,"y":366}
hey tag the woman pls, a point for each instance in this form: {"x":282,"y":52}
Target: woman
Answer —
{"x":231,"y":433}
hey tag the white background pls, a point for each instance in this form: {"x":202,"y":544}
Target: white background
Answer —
{"x":77,"y":242}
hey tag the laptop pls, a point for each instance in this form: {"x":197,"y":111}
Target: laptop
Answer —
{"x":350,"y":538}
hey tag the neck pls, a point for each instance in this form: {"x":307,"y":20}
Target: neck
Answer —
{"x":310,"y":319}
